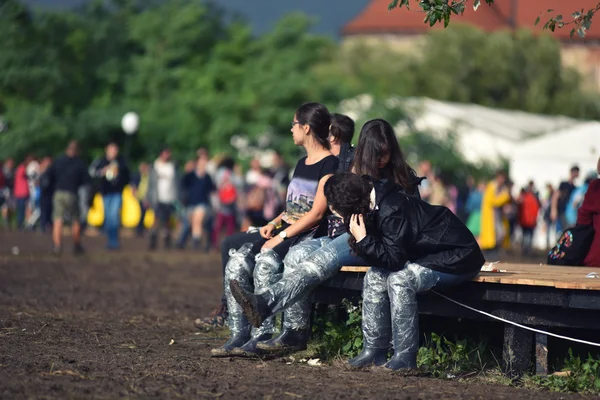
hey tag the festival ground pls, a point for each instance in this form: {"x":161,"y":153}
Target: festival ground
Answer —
{"x":110,"y":325}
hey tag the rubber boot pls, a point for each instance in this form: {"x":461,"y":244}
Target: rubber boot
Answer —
{"x":249,"y":349}
{"x":255,"y":307}
{"x":287,"y":340}
{"x":232,"y":343}
{"x":369,"y":356}
{"x":402,"y":361}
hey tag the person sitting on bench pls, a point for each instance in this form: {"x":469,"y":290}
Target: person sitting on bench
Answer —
{"x":311,"y":262}
{"x":415,"y":246}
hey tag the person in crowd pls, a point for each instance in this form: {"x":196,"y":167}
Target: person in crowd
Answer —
{"x":161,"y":195}
{"x":21,"y":191}
{"x":46,"y":194}
{"x":139,"y":187}
{"x":439,"y":195}
{"x":393,"y":232}
{"x":257,"y":256}
{"x":426,"y":171}
{"x":257,"y":200}
{"x":7,"y":207}
{"x":577,"y":199}
{"x":547,"y":213}
{"x":280,"y":179}
{"x":113,"y":173}
{"x":198,"y":187}
{"x":473,"y":209}
{"x":254,"y":173}
{"x":67,"y":174}
{"x":32,"y":170}
{"x":227,"y":192}
{"x":464,"y":191}
{"x":589,"y":214}
{"x":2,"y":187}
{"x":494,"y":227}
{"x":185,"y":229}
{"x":560,"y":199}
{"x":529,"y":209}
{"x":310,"y":263}
{"x":340,"y":136}
{"x":510,"y":212}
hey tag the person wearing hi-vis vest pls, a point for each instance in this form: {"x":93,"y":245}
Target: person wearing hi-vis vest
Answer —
{"x":113,"y":174}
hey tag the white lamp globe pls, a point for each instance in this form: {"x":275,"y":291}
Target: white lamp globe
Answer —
{"x":130,"y":123}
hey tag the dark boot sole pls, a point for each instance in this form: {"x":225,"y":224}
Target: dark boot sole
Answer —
{"x":251,"y":313}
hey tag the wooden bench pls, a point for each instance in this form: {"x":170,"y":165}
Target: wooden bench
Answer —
{"x":535,"y":295}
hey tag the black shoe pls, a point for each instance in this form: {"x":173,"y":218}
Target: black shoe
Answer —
{"x":167,"y":242}
{"x":369,"y":356}
{"x":153,"y":241}
{"x":78,"y":249}
{"x":287,"y":340}
{"x":232,"y":343}
{"x":249,"y":349}
{"x":255,"y":307}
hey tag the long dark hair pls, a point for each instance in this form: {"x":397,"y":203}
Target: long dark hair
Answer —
{"x":377,"y":137}
{"x":316,"y":116}
{"x":349,"y":194}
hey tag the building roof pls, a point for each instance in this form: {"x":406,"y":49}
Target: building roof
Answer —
{"x":376,"y":19}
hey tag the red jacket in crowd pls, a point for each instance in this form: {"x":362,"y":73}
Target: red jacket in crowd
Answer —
{"x":21,"y":188}
{"x":589,"y":214}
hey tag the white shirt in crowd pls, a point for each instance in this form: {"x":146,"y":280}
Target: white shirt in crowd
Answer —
{"x":166,"y":185}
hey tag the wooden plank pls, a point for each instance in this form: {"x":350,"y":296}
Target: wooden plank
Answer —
{"x":354,"y":269}
{"x":531,"y":275}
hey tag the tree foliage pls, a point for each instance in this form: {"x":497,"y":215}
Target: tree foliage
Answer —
{"x":464,"y":64}
{"x":198,"y":76}
{"x":437,"y":11}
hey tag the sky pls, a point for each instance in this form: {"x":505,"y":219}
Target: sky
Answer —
{"x":332,"y":14}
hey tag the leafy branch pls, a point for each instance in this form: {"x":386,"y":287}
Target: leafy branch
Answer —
{"x":437,"y":11}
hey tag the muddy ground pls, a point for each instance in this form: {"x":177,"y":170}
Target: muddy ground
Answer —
{"x":100,"y":326}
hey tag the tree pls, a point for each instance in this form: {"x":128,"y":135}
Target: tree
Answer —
{"x":437,"y":11}
{"x":196,"y":76}
{"x":513,"y":70}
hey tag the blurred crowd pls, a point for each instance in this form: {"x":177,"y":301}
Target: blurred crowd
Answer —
{"x":502,"y":216}
{"x":192,"y":205}
{"x":210,"y":196}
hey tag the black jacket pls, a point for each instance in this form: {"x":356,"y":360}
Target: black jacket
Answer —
{"x":114,"y":182}
{"x":346,"y":156}
{"x":406,"y":229}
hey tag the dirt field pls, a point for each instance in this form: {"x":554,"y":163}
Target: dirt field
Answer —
{"x":100,"y":326}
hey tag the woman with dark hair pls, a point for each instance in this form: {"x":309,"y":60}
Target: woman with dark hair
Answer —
{"x":415,"y":246}
{"x":312,"y":262}
{"x":258,"y":256}
{"x":378,"y":154}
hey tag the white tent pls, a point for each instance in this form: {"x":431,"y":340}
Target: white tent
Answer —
{"x":548,"y":158}
{"x":484,"y":134}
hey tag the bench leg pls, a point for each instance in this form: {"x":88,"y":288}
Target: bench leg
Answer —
{"x":541,"y":354}
{"x":516,"y":352}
